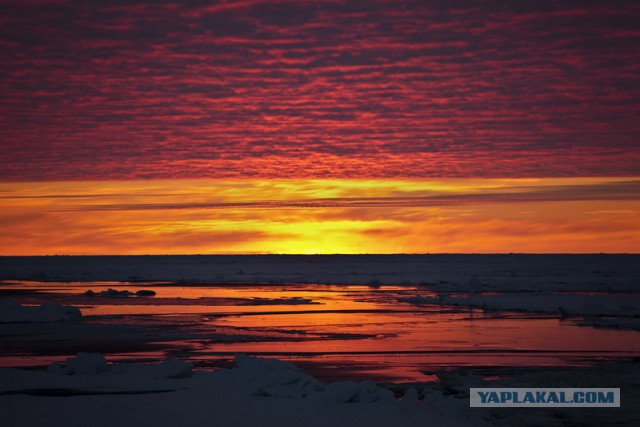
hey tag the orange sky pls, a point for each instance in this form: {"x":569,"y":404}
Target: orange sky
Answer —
{"x":320,"y":216}
{"x":164,"y":127}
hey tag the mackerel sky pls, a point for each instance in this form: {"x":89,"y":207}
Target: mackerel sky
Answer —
{"x":325,"y":126}
{"x":120,"y":90}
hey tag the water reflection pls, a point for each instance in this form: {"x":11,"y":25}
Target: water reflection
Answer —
{"x":357,"y":330}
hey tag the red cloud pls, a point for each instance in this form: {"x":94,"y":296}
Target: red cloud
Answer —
{"x":331,"y":89}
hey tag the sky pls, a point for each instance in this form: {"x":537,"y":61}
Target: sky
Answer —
{"x":257,"y":126}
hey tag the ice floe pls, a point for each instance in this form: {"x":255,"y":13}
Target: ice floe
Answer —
{"x":266,"y":392}
{"x":13,"y":312}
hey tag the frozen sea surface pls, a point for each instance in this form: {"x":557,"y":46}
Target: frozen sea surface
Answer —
{"x":596,"y":272}
{"x":438,"y":323}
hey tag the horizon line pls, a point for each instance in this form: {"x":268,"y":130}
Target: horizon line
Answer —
{"x":321,"y":254}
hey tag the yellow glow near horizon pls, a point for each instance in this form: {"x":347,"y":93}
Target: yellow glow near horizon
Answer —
{"x":320,"y":216}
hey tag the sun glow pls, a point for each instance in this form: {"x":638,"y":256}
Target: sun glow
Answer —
{"x":320,"y":216}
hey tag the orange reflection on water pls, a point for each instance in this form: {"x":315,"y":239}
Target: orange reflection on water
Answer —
{"x":341,"y":324}
{"x":432,"y":331}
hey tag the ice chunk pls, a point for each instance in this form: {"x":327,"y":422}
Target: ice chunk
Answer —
{"x":352,"y":392}
{"x":419,"y":300}
{"x":123,"y":293}
{"x":82,"y":364}
{"x":175,"y":368}
{"x":280,"y":301}
{"x":109,"y":293}
{"x":273,"y":377}
{"x":13,"y":312}
{"x":145,"y":293}
{"x":95,"y":363}
{"x":260,"y":365}
{"x":409,"y":400}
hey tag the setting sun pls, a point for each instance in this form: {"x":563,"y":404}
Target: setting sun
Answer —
{"x":321,"y":217}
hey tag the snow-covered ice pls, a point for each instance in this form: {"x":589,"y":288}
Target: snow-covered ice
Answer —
{"x":13,"y":312}
{"x":116,"y":293}
{"x":82,"y":364}
{"x":265,"y":392}
{"x":88,"y":389}
{"x":95,"y":363}
{"x":589,"y":305}
{"x":604,"y":311}
{"x":452,"y":272}
{"x":271,"y":392}
{"x":280,"y":301}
